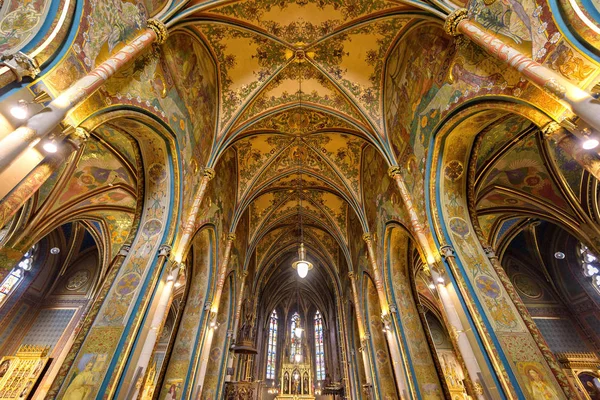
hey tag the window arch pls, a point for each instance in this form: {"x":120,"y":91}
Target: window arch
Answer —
{"x":319,"y":351}
{"x":272,"y":346}
{"x":590,"y":264}
{"x":15,"y":277}
{"x":295,"y":340}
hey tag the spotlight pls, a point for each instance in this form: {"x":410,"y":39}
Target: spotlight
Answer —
{"x":559,"y":255}
{"x":431,"y":286}
{"x":19,"y":111}
{"x":50,"y":146}
{"x":590,"y":143}
{"x":170,"y":278}
{"x":177,"y":284}
{"x":54,"y":250}
{"x":440,"y":280}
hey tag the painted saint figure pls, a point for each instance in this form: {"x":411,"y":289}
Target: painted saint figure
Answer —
{"x":82,"y":385}
{"x":540,"y":389}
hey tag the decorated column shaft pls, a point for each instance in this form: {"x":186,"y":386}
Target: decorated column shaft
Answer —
{"x":41,"y":124}
{"x":457,"y":330}
{"x":570,"y":95}
{"x":417,"y":228}
{"x":210,"y":333}
{"x":155,"y":323}
{"x":361,"y":327}
{"x":23,"y":191}
{"x":572,"y":146}
{"x":236,"y":321}
{"x":377,"y":277}
{"x":221,"y":274}
{"x":190,"y":223}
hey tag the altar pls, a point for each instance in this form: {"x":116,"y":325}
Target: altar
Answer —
{"x":296,"y":382}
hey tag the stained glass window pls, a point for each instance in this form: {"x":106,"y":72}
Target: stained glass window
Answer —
{"x":15,"y":276}
{"x":272,"y":346}
{"x":319,"y":352}
{"x":590,"y":264}
{"x":296,"y":341}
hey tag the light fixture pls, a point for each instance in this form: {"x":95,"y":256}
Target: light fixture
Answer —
{"x":559,"y":255}
{"x":589,"y":143}
{"x":54,"y":250}
{"x":431,"y":286}
{"x":440,"y":280}
{"x":170,"y":278}
{"x":302,"y":265}
{"x":50,"y":146}
{"x":20,"y":110}
{"x":177,"y":284}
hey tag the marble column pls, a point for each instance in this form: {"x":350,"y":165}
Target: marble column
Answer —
{"x":572,"y":146}
{"x":457,"y":331}
{"x":189,"y":227}
{"x":363,"y":336}
{"x":23,"y":191}
{"x":377,"y":277}
{"x":236,"y":323}
{"x":571,"y":96}
{"x":38,"y":126}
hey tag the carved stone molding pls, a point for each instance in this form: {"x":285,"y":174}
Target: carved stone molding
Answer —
{"x":21,"y":65}
{"x":452,"y":21}
{"x":159,"y":28}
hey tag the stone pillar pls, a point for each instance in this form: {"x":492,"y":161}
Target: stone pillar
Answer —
{"x":236,"y":323}
{"x":457,"y":331}
{"x":38,"y":126}
{"x":189,"y":226}
{"x":221,"y":274}
{"x":571,"y":145}
{"x":154,"y":323}
{"x":397,"y":348}
{"x":14,"y":67}
{"x":417,"y":228}
{"x":361,"y":330}
{"x":23,"y":191}
{"x":568,"y":94}
{"x":377,"y":277}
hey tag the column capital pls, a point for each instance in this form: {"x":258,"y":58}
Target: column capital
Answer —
{"x":351,"y":275}
{"x":207,"y":305}
{"x":447,"y":251}
{"x":231,"y":237}
{"x":393,"y":309}
{"x":164,"y":250}
{"x":209,"y":173}
{"x":124,"y":251}
{"x":452,"y":21}
{"x":550,"y":129}
{"x":394,"y":171}
{"x":21,"y":65}
{"x":367,"y":237}
{"x":80,"y":134}
{"x":159,"y":28}
{"x":489,"y":252}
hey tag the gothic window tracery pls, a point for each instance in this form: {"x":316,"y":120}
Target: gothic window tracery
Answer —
{"x":272,"y":346}
{"x":15,"y":277}
{"x":590,"y":264}
{"x":319,"y":352}
{"x":296,"y":346}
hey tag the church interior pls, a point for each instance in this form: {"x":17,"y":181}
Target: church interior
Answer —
{"x":299,"y":199}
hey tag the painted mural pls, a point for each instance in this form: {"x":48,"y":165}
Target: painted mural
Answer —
{"x":19,"y":22}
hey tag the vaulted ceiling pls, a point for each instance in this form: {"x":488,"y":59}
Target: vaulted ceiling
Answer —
{"x":301,"y":98}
